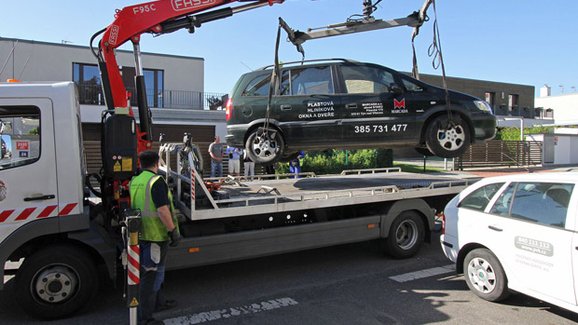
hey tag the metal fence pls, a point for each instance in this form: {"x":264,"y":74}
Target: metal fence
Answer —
{"x":176,"y":99}
{"x":501,"y":153}
{"x":526,"y":112}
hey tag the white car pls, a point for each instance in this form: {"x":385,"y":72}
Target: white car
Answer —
{"x":517,"y":232}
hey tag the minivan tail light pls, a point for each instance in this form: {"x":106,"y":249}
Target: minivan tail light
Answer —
{"x":442,"y":218}
{"x":228,"y":109}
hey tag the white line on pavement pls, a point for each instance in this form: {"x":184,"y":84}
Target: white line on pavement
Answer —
{"x":423,"y":273}
{"x":213,"y":315}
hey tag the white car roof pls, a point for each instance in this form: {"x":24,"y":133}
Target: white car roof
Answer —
{"x":562,"y":177}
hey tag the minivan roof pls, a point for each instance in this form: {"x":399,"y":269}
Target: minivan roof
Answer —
{"x":309,"y":61}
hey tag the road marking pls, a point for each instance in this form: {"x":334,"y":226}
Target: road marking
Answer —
{"x":423,"y":273}
{"x":213,"y":315}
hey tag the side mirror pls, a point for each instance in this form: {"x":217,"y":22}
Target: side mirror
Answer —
{"x":395,"y":88}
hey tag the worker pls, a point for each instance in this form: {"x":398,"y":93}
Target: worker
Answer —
{"x":216,"y":153}
{"x":295,"y":164}
{"x":150,"y":194}
{"x":234,"y":160}
{"x":248,"y":166}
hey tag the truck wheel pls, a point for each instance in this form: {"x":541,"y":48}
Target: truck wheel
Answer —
{"x":56,"y":282}
{"x":405,"y":235}
{"x":485,"y":276}
{"x":265,"y":146}
{"x":447,"y":139}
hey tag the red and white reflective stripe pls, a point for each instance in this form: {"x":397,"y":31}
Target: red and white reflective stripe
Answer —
{"x":35,"y":213}
{"x":193,"y":189}
{"x":133,"y":264}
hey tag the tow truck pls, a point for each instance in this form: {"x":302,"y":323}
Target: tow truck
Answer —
{"x":69,"y":235}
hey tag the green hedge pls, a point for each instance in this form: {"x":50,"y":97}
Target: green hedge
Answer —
{"x":334,"y":161}
{"x":512,"y":133}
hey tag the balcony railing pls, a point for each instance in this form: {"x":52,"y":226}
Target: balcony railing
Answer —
{"x":526,"y":112}
{"x":175,"y":99}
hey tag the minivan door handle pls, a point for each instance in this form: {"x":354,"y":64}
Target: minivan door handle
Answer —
{"x":286,"y":107}
{"x":351,"y":106}
{"x":495,"y":228}
{"x":40,"y":198}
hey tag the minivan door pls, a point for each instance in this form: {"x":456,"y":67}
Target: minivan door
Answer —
{"x":374,"y":112}
{"x":307,"y":107}
{"x":28,"y":187}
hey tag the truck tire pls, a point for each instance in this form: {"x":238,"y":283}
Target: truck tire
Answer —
{"x":485,"y":275}
{"x":56,"y":282}
{"x":406,"y":235}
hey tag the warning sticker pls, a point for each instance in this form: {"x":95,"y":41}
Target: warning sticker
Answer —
{"x":116,"y":167}
{"x":127,"y":164}
{"x":133,"y":302}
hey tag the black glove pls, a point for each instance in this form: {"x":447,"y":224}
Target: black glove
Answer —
{"x":174,"y":237}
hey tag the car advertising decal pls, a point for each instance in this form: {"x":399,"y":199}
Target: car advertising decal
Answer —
{"x":534,"y":246}
{"x":369,"y":109}
{"x":399,"y":106}
{"x":319,"y":110}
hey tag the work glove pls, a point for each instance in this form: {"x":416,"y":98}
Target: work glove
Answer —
{"x":174,"y":237}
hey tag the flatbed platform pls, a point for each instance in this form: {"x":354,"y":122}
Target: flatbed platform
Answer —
{"x":239,"y":198}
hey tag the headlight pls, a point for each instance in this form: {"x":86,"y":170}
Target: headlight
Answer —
{"x":482,"y":105}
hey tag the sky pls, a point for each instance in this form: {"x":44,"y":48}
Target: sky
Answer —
{"x":527,"y":42}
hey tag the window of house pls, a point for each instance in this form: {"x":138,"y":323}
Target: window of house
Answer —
{"x":513,"y":100}
{"x":19,"y":135}
{"x":529,"y":201}
{"x":312,"y":80}
{"x":154,"y":83}
{"x":490,"y":97}
{"x":87,"y":78}
{"x":479,"y":199}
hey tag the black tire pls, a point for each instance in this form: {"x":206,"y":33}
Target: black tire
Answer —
{"x":485,"y":275}
{"x":406,"y":235}
{"x":265,"y":146}
{"x":56,"y":282}
{"x":447,"y":139}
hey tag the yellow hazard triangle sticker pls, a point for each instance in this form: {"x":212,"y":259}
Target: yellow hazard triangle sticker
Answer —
{"x":133,"y":302}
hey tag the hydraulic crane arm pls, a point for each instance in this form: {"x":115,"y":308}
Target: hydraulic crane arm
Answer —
{"x":156,"y":17}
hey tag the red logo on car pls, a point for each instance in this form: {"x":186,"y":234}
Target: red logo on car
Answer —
{"x":398,"y":103}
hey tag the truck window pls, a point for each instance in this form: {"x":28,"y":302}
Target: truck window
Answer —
{"x":19,"y":135}
{"x":479,"y":199}
{"x":366,"y":80}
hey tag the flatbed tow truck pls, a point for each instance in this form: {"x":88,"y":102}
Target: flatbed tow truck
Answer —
{"x":66,"y":239}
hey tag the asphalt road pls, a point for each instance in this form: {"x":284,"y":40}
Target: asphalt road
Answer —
{"x":350,"y":284}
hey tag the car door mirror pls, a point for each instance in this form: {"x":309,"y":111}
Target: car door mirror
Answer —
{"x":395,"y":88}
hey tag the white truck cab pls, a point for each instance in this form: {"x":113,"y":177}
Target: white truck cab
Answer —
{"x":517,"y":232}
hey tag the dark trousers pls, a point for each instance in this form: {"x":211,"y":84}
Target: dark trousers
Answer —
{"x":152,"y":261}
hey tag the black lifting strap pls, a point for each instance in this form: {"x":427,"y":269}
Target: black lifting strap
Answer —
{"x":435,"y":52}
{"x":275,"y":82}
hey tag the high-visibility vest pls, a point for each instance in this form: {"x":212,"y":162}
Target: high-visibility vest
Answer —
{"x":152,"y":228}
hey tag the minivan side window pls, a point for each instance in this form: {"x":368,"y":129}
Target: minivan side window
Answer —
{"x":479,"y":199}
{"x":259,"y":86}
{"x":312,"y":80}
{"x":411,"y":86}
{"x":532,"y":200}
{"x":19,"y":135}
{"x":365,"y":80}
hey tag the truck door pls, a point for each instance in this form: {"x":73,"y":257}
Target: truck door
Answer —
{"x":28,"y":187}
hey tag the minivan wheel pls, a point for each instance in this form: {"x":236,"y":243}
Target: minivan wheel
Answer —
{"x":447,"y":139}
{"x":265,"y":146}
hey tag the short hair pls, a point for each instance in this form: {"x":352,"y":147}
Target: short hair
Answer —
{"x":148,"y":159}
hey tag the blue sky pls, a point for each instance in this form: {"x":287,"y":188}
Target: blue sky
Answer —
{"x":521,"y":41}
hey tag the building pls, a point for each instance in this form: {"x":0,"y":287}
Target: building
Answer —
{"x":564,"y":107}
{"x":175,"y":86}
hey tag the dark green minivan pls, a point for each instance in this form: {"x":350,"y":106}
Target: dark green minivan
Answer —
{"x":342,"y":104}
